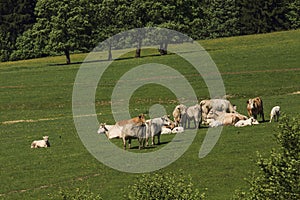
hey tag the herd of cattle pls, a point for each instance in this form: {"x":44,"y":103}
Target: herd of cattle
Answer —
{"x":212,"y":112}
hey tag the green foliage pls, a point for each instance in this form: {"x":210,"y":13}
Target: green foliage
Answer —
{"x":279,"y":175}
{"x":78,"y":194}
{"x":164,"y":185}
{"x":221,"y":18}
{"x":293,"y":14}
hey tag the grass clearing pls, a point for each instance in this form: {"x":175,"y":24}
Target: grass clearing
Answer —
{"x":40,"y":91}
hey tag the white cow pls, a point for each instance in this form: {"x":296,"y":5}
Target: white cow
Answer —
{"x":221,"y":105}
{"x":133,"y":131}
{"x":155,"y":128}
{"x":193,"y":113}
{"x":275,"y":113}
{"x":247,"y":122}
{"x":104,"y":128}
{"x":217,"y":118}
{"x":41,"y":143}
{"x":179,"y":114}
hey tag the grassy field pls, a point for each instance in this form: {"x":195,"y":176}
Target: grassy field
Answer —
{"x":36,"y":100}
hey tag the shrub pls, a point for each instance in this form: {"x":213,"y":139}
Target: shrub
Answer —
{"x":77,"y":194}
{"x":164,"y":186}
{"x":279,"y":175}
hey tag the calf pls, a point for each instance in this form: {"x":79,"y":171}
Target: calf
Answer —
{"x":247,"y":122}
{"x":275,"y":113}
{"x":41,"y":143}
{"x":255,"y":107}
{"x":216,"y":118}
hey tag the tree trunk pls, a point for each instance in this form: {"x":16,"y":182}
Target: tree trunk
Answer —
{"x":109,"y":52}
{"x":138,"y":49}
{"x":68,"y":59}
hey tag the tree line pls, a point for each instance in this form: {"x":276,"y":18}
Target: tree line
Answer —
{"x":38,"y":28}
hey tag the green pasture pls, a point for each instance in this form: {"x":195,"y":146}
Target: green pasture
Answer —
{"x":36,"y":100}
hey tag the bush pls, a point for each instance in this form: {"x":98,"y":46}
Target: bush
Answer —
{"x":78,"y":194}
{"x":164,"y":186}
{"x":279,"y":175}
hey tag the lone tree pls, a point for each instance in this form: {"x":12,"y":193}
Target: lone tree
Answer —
{"x":279,"y":176}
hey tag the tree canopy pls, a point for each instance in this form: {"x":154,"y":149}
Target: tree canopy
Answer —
{"x":35,"y":28}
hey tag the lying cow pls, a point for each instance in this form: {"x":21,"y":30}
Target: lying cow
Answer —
{"x":178,"y":129}
{"x":217,"y":118}
{"x":275,"y":113}
{"x":179,"y":114}
{"x":193,"y":113}
{"x":155,"y":128}
{"x":134,"y":131}
{"x":247,"y":122}
{"x":255,"y":107}
{"x":41,"y":143}
{"x":220,"y":105}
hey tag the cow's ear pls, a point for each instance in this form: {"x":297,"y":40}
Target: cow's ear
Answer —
{"x":247,"y":101}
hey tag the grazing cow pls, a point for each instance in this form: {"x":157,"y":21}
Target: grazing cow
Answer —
{"x":179,"y":114}
{"x":221,"y":105}
{"x":275,"y":113}
{"x":41,"y":143}
{"x":155,"y":128}
{"x":247,"y":122}
{"x":134,"y":131}
{"x":193,"y":113}
{"x":255,"y":107}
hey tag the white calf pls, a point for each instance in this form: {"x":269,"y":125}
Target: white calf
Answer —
{"x":41,"y":143}
{"x":275,"y":113}
{"x":247,"y":122}
{"x":178,"y":129}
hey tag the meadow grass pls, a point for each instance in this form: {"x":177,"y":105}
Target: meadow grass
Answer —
{"x":40,"y":90}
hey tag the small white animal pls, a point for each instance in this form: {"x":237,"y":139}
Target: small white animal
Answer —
{"x":178,"y":129}
{"x":41,"y":143}
{"x":247,"y":122}
{"x":275,"y":113}
{"x":165,"y":130}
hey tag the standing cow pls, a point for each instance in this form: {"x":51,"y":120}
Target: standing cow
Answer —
{"x":155,"y":128}
{"x":193,"y":113}
{"x":179,"y":114}
{"x":134,"y":131}
{"x":255,"y":107}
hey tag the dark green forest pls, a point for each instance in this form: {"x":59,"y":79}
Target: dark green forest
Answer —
{"x":39,"y":28}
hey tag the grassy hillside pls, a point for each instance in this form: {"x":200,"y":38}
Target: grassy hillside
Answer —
{"x":36,"y":100}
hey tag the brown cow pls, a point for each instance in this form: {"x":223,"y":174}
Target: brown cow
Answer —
{"x":255,"y":107}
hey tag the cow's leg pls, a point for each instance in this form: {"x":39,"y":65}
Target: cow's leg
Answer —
{"x":124,"y":143}
{"x":263,"y":116}
{"x":271,"y":118}
{"x":129,"y":143}
{"x":158,"y":138}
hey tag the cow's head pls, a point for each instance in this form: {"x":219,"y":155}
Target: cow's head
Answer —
{"x":142,"y":119}
{"x":251,"y":103}
{"x":102,"y":129}
{"x":46,"y":138}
